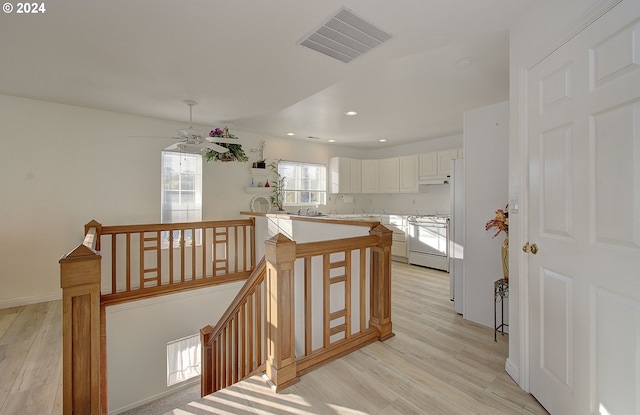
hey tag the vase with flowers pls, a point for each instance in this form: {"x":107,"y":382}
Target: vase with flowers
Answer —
{"x":501,"y":223}
{"x":235,"y":153}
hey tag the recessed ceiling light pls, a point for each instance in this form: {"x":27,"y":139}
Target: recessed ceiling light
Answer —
{"x":291,"y":133}
{"x":350,"y":113}
{"x":331,"y":140}
{"x":383,"y":140}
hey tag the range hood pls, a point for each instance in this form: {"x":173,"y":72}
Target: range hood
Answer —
{"x":434,"y":180}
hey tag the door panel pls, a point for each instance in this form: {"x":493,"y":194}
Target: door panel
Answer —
{"x":583,"y":121}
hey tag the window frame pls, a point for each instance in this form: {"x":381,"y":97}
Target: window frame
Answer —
{"x":299,"y":178}
{"x":193,"y":214}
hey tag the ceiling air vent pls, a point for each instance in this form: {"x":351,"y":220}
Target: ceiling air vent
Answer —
{"x":345,"y":37}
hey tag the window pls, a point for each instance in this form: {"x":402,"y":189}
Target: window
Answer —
{"x":183,"y":359}
{"x":181,"y":190}
{"x":305,"y":184}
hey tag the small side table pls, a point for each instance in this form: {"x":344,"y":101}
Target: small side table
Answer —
{"x":501,"y":291}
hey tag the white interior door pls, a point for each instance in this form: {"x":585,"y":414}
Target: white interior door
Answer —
{"x":584,"y":216}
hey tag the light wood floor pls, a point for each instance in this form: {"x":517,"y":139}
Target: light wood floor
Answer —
{"x":437,"y":363}
{"x":31,"y":359}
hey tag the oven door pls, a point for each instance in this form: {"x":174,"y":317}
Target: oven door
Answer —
{"x":428,"y":238}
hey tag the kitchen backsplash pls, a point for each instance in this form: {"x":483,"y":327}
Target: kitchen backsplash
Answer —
{"x":432,"y":199}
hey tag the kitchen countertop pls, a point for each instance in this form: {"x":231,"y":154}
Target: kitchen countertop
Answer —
{"x":363,"y":220}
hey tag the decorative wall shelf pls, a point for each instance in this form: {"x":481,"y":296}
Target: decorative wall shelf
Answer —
{"x":258,"y":190}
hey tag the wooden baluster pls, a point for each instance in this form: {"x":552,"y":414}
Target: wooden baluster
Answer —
{"x":381,"y":283}
{"x":80,"y":283}
{"x":280,"y":254}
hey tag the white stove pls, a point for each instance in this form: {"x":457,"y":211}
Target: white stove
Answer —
{"x":429,"y":241}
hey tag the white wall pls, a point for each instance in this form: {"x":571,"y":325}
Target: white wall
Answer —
{"x":137,"y":337}
{"x":486,"y":167}
{"x":63,"y":166}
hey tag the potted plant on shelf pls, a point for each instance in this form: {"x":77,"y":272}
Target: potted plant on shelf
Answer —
{"x":261,"y":163}
{"x":277,"y":195}
{"x":235,"y":153}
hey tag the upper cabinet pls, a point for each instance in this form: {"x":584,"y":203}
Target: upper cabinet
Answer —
{"x":389,"y":175}
{"x":444,"y":161}
{"x":345,"y":175}
{"x":408,"y":174}
{"x":428,"y":164}
{"x":370,"y":176}
{"x":437,"y":163}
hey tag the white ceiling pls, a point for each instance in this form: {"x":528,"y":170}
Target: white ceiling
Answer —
{"x":240,"y":59}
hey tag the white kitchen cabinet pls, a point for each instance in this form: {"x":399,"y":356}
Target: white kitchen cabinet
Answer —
{"x":345,"y":175}
{"x":444,"y":161}
{"x":436,"y":163}
{"x":461,"y":153}
{"x":428,"y":164}
{"x":389,"y":175}
{"x":409,"y":174}
{"x":370,"y":176}
{"x":397,"y":224}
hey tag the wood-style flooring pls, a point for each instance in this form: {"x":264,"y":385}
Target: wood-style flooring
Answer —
{"x":438,"y":363}
{"x":31,"y":359}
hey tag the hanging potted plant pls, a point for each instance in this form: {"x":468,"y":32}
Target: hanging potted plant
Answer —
{"x":235,"y":153}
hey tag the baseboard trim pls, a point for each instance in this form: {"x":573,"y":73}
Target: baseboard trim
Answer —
{"x":18,"y":302}
{"x":161,"y":395}
{"x":512,"y":371}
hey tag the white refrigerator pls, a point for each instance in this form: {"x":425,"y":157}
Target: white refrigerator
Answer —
{"x":456,"y":248}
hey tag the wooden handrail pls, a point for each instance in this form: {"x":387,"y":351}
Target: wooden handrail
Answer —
{"x":256,"y":278}
{"x":153,"y":259}
{"x":233,"y":349}
{"x":342,"y":262}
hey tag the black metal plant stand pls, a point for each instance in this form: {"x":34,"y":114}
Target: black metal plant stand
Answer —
{"x":501,"y":291}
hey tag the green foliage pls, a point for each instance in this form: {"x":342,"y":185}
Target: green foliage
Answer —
{"x":236,"y":153}
{"x":277,"y":195}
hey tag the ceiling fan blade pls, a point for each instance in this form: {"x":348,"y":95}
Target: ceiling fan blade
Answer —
{"x":223,"y":140}
{"x":189,"y":132}
{"x":214,"y":147}
{"x":150,"y":136}
{"x":172,"y":146}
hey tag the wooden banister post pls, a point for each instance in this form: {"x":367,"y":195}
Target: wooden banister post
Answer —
{"x":80,"y":283}
{"x":381,"y":283}
{"x":206,"y":361}
{"x":280,"y":254}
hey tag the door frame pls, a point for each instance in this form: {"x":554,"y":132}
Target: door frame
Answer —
{"x":586,"y":16}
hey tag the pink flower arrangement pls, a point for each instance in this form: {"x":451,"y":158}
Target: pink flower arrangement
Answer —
{"x":500,"y":222}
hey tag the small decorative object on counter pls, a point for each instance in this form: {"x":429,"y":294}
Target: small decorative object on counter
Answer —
{"x":501,"y":222}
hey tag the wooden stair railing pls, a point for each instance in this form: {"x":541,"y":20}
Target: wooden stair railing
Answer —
{"x":235,"y":348}
{"x":208,"y":253}
{"x":337,"y":263}
{"x":148,"y":260}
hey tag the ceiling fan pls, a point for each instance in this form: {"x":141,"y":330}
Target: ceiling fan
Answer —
{"x":194,"y":141}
